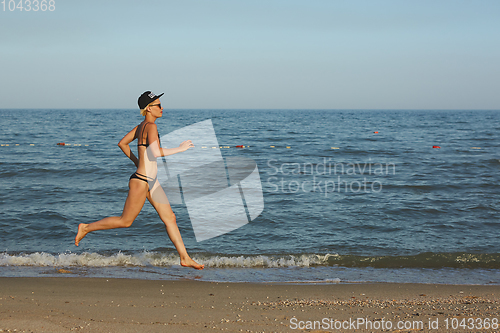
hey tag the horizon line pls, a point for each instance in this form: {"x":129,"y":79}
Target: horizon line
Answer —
{"x":267,"y":109}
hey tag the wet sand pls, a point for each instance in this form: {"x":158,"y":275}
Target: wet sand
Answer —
{"x":126,"y":305}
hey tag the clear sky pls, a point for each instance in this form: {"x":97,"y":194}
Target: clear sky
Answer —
{"x":328,"y":54}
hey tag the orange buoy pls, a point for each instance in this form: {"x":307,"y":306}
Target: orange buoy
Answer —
{"x":376,"y":132}
{"x":436,"y":147}
{"x":239,"y":146}
{"x":61,"y":144}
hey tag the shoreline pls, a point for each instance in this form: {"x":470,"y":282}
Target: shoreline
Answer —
{"x":59,"y":304}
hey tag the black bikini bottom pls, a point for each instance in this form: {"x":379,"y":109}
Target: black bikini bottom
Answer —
{"x":144,"y":178}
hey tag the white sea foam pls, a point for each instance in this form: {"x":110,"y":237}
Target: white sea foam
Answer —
{"x":303,"y":260}
{"x":157,"y":259}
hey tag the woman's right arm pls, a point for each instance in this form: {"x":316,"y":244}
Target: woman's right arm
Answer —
{"x":124,"y":146}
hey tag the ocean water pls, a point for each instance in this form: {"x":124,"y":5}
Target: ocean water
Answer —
{"x":349,"y":196}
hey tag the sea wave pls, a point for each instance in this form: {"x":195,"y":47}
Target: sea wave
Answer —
{"x":154,"y":259}
{"x":422,"y":260}
{"x":161,"y":259}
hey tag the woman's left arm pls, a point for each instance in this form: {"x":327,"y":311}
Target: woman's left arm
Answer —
{"x":124,"y":146}
{"x":159,"y":151}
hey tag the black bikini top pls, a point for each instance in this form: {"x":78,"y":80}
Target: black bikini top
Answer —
{"x":141,"y":137}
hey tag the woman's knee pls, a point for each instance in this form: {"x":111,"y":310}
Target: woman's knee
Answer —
{"x":126,"y":222}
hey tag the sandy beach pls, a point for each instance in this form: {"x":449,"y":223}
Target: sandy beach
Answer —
{"x":126,"y":305}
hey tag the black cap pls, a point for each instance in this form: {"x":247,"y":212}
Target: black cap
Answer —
{"x":147,"y":98}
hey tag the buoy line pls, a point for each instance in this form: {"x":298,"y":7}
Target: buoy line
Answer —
{"x":64,"y":144}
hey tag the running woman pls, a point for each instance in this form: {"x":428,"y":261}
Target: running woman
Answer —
{"x":143,"y":182}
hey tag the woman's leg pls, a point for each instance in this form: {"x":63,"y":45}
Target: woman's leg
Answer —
{"x":133,"y":205}
{"x":166,"y":214}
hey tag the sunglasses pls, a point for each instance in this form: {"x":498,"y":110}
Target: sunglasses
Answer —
{"x":159,"y":105}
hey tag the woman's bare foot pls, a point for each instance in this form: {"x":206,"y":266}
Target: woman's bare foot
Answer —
{"x":188,"y":262}
{"x":81,"y":233}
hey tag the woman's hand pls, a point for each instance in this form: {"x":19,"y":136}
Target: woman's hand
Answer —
{"x":170,"y":151}
{"x":185,"y":145}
